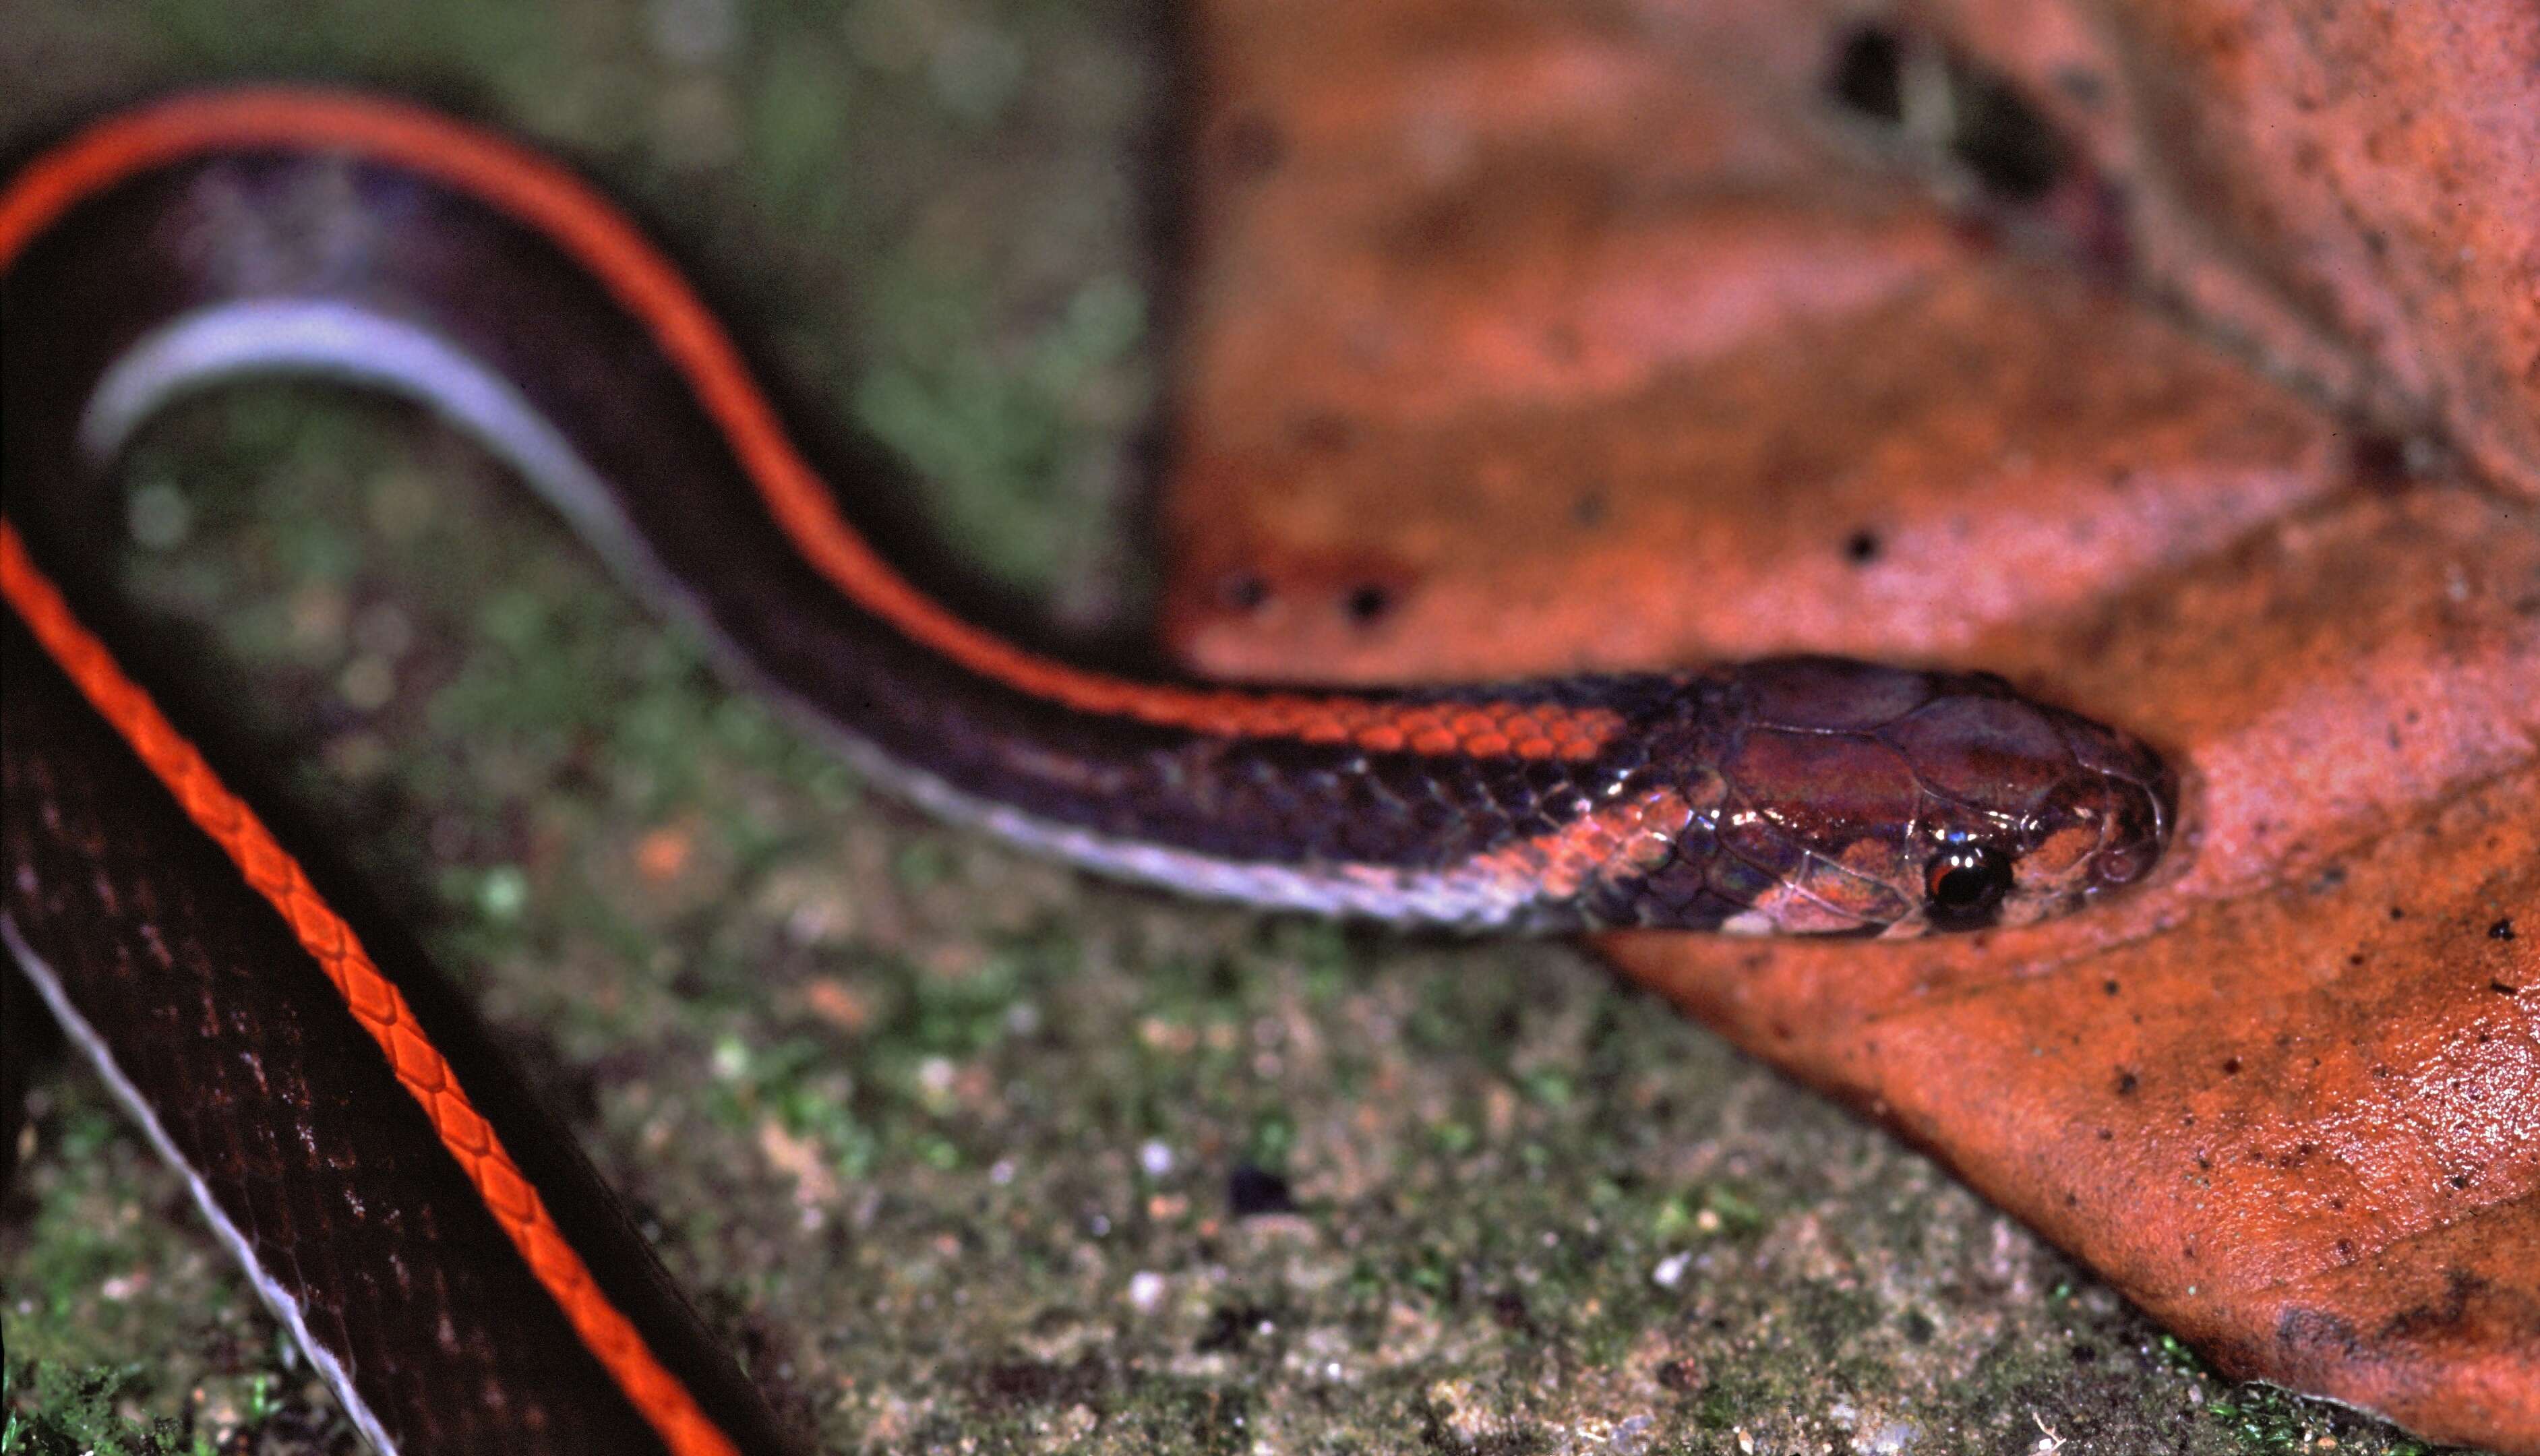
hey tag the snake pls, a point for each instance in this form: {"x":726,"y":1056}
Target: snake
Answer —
{"x":427,"y":1233}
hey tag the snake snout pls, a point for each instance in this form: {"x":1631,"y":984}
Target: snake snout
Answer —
{"x":2139,"y":795}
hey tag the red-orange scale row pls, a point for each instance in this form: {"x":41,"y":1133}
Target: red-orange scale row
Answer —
{"x":373,"y":999}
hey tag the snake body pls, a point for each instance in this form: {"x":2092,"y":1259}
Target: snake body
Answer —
{"x":264,"y":232}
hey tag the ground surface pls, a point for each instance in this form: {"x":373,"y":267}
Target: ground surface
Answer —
{"x":962,"y":1151}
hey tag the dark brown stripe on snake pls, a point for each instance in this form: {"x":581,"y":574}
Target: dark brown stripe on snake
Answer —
{"x":225,"y":1037}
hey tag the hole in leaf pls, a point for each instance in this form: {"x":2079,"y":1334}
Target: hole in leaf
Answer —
{"x":1945,"y":101}
{"x":2011,"y":149}
{"x":1869,"y":73}
{"x":1367,"y":603}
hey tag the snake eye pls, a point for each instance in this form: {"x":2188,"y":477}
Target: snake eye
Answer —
{"x":1963,"y":883}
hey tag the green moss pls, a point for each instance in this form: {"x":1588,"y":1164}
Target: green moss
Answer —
{"x":58,"y":1409}
{"x":992,"y":433}
{"x":2266,"y":1421}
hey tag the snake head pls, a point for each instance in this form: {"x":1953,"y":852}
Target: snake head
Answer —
{"x":1855,"y":800}
{"x":2028,"y":812}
